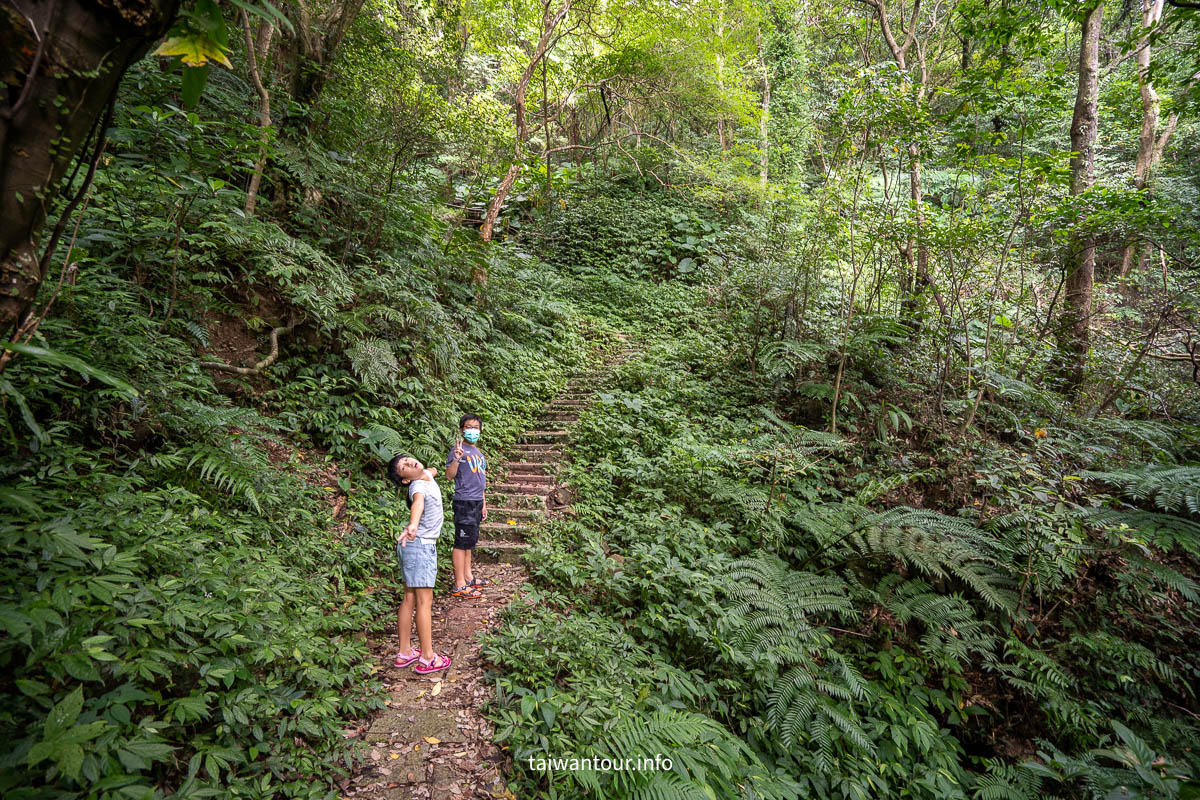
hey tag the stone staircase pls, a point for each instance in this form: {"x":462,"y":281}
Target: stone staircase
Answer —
{"x":521,"y":498}
{"x":432,"y":740}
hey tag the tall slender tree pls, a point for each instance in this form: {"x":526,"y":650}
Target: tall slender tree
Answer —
{"x":1081,"y":261}
{"x":1152,"y":141}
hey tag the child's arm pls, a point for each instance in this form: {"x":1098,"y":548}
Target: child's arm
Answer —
{"x":414,"y":516}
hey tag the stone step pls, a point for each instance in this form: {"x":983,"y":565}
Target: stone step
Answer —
{"x":521,"y":490}
{"x":501,"y":531}
{"x":565,"y":416}
{"x":502,"y":513}
{"x":536,"y":467}
{"x":548,"y":462}
{"x":544,"y":436}
{"x":491,"y":552}
{"x":527,"y":502}
{"x":523,"y":448}
{"x":528,"y":478}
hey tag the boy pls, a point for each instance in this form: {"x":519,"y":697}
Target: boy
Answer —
{"x":468,"y":469}
{"x":416,"y":548}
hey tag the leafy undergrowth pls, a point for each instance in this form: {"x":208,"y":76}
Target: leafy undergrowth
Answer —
{"x":203,"y":647}
{"x":889,"y":611}
{"x":183,"y":608}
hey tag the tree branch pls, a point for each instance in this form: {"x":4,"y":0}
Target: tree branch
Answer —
{"x":271,"y":358}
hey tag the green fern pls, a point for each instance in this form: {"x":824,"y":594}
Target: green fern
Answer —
{"x":707,"y":761}
{"x":1173,"y":489}
{"x":951,"y":626}
{"x":230,"y":470}
{"x":810,"y":701}
{"x":1005,"y":782}
{"x":771,"y":606}
{"x":935,"y":545}
{"x":374,"y":362}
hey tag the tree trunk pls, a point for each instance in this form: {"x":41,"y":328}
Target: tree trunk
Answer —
{"x":489,"y":221}
{"x":1150,"y":143}
{"x":915,"y":251}
{"x":764,"y":137}
{"x":265,"y":32}
{"x":549,"y":23}
{"x":1077,"y":305}
{"x":63,"y":61}
{"x":313,"y":43}
{"x":721,"y":136}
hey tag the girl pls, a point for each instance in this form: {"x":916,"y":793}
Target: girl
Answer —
{"x":416,"y":548}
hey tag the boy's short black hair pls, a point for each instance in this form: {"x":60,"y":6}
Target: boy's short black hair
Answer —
{"x":469,"y":418}
{"x":393,"y":470}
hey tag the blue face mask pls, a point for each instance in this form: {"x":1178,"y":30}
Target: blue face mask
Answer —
{"x":471,"y":435}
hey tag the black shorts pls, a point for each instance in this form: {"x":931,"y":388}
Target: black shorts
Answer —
{"x":467,"y":516}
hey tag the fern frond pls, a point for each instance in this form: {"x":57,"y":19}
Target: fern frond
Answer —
{"x":1161,"y":530}
{"x":374,"y":362}
{"x":1166,"y":576}
{"x":771,"y":605}
{"x":937,"y":546}
{"x":234,"y":473}
{"x":1172,"y":488}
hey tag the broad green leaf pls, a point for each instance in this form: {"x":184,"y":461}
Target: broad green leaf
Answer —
{"x":6,"y":388}
{"x":194,"y":79}
{"x":70,"y":362}
{"x":69,"y":759}
{"x":14,"y":499}
{"x":64,"y":714}
{"x":194,"y":50}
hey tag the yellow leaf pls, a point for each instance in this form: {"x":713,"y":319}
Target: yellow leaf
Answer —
{"x":194,"y":50}
{"x":394,"y":756}
{"x":433,"y":740}
{"x":437,"y":689}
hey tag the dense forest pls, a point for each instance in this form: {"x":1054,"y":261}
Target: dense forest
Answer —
{"x":898,"y":494}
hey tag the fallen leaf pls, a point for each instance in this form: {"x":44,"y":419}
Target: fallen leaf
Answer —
{"x":394,"y":756}
{"x":433,"y":740}
{"x":437,"y":689}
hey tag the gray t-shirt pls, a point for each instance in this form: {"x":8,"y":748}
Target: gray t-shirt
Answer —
{"x":429,"y":526}
{"x":471,"y":478}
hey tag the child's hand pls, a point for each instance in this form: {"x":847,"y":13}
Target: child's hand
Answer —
{"x":410,"y":533}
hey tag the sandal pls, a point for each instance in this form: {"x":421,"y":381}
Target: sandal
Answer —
{"x":479,"y":582}
{"x":438,"y":663}
{"x":404,"y":661}
{"x":467,"y":592}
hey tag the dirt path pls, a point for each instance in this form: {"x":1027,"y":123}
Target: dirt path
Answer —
{"x":432,"y":739}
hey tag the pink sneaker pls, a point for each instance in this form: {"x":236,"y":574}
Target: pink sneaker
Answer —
{"x":403,"y":660}
{"x":438,"y":663}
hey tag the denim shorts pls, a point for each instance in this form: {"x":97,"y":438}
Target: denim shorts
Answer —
{"x":419,"y":560}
